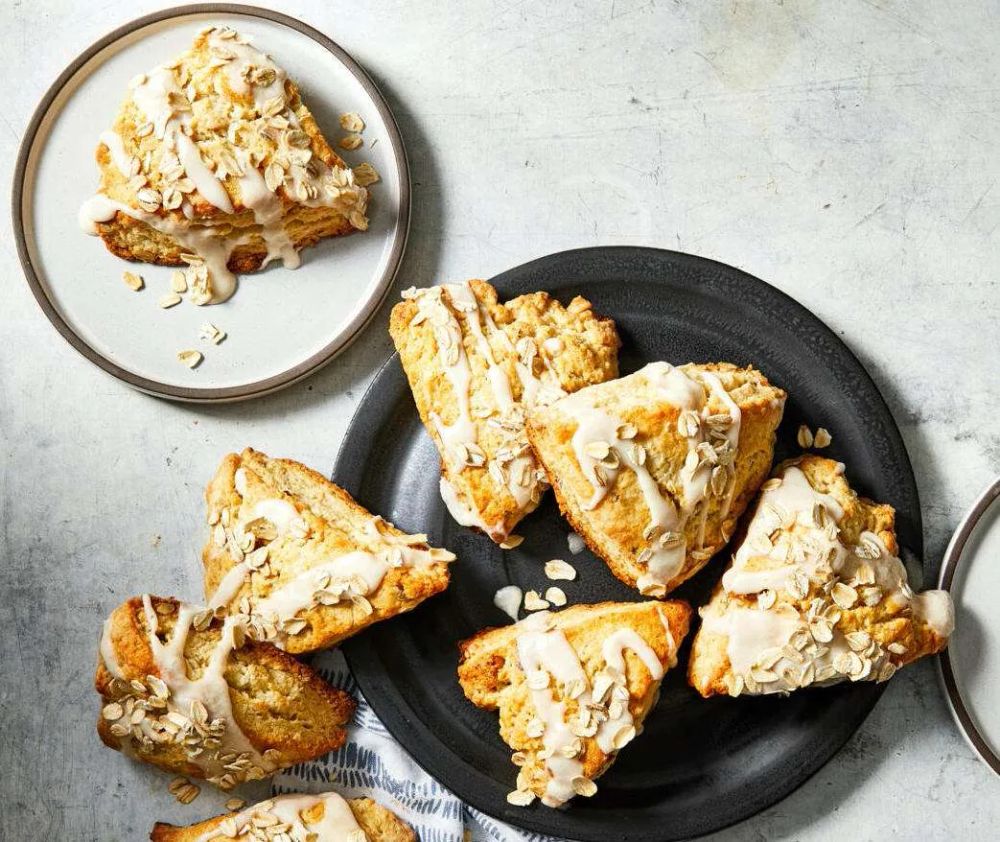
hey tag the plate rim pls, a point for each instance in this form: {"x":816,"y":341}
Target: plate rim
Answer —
{"x":989,"y":497}
{"x":353,"y":648}
{"x":306,"y":367}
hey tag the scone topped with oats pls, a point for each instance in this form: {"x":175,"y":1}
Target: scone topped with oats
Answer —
{"x":572,"y":688}
{"x":323,"y":817}
{"x":215,"y":162}
{"x":186,"y":691}
{"x":654,"y":469}
{"x":475,"y":366}
{"x":815,"y":593}
{"x":301,"y":561}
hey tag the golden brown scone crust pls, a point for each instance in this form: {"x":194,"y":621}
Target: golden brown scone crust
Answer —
{"x":133,"y":239}
{"x":492,"y":678}
{"x":614,"y":529}
{"x":888,"y":623}
{"x":337,"y":525}
{"x":378,"y":823}
{"x":279,"y":703}
{"x":588,"y":354}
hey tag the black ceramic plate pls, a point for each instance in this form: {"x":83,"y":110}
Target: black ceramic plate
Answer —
{"x":699,"y":765}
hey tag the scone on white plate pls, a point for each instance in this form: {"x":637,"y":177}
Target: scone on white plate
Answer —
{"x":572,"y":688}
{"x":815,"y":593}
{"x":475,"y":366}
{"x":303,"y":562}
{"x":214,"y":162}
{"x":654,"y":469}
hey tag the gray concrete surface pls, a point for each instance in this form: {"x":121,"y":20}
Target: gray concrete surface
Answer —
{"x":844,"y":151}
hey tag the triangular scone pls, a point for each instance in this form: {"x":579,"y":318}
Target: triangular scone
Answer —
{"x":302,"y":561}
{"x":653,"y":470}
{"x":185,"y":691}
{"x":215,"y":161}
{"x":324,"y":817}
{"x":815,"y":593}
{"x":474,"y":365}
{"x":572,"y":688}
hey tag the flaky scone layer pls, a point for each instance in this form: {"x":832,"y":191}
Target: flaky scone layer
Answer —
{"x":474,"y":366}
{"x":572,"y":688}
{"x":302,"y":560}
{"x":815,"y":593}
{"x":186,"y":692}
{"x":653,"y":470}
{"x":327,"y":815}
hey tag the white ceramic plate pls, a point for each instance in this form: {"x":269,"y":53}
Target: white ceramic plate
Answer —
{"x":970,"y":667}
{"x":282,"y":325}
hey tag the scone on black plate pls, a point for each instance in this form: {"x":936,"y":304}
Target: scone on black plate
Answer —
{"x":475,"y":366}
{"x":654,"y":469}
{"x":572,"y":688}
{"x":216,"y":163}
{"x":324,"y":817}
{"x":186,"y":691}
{"x":301,"y":561}
{"x":815,"y":593}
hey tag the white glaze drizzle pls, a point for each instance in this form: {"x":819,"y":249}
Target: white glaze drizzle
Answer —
{"x":362,"y":572}
{"x":116,"y":148}
{"x":108,"y":651}
{"x":678,"y":389}
{"x":809,"y":543}
{"x":337,"y":825}
{"x":209,"y":689}
{"x":541,"y":648}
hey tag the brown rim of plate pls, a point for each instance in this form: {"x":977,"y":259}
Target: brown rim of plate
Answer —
{"x":306,"y":367}
{"x":949,"y":568}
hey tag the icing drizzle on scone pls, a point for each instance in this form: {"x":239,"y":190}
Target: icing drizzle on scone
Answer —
{"x":170,"y":707}
{"x":570,"y":709}
{"x":298,"y":818}
{"x":453,"y":311}
{"x":605,"y":445}
{"x":273,"y":609}
{"x":206,"y":123}
{"x":805,"y":581}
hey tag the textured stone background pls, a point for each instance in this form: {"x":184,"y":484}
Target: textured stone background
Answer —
{"x":844,"y":151}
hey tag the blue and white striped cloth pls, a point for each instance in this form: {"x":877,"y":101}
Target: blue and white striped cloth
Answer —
{"x":373,"y":764}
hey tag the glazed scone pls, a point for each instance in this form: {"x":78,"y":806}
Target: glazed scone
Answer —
{"x":305,"y":564}
{"x":325,"y":817}
{"x":653,"y":470}
{"x":185,"y":691}
{"x":474,"y":366}
{"x":214,"y":161}
{"x":572,"y":688}
{"x":815,"y":593}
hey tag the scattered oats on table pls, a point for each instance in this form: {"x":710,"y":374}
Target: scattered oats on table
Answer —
{"x":171,"y":299}
{"x":351,"y":141}
{"x":822,"y":438}
{"x":805,"y":436}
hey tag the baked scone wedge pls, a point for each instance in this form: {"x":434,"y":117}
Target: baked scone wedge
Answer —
{"x":572,"y":688}
{"x":654,"y":469}
{"x":186,"y":691}
{"x":214,"y":161}
{"x":815,"y":593}
{"x":474,"y":367}
{"x":324,"y":817}
{"x":305,"y":564}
